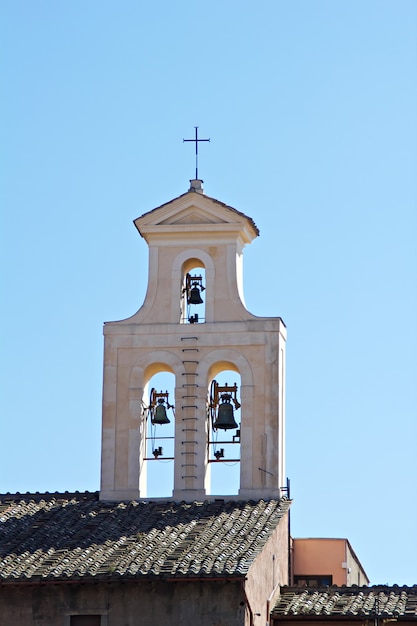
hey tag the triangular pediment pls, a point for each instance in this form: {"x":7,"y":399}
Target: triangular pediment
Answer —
{"x":194,"y":215}
{"x":194,"y":209}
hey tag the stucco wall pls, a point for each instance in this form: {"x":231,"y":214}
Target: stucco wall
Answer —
{"x":125,"y":604}
{"x":322,"y":556}
{"x":356,"y":575}
{"x":267,"y":574}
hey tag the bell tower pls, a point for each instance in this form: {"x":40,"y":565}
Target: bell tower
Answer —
{"x":194,"y":324}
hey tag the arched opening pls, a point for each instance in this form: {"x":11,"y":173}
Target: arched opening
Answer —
{"x":193,"y":310}
{"x":159,"y":434}
{"x":223,"y":433}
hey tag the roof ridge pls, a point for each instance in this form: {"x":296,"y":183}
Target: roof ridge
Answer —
{"x":42,"y":495}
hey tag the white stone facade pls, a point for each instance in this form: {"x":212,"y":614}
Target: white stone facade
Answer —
{"x":194,"y":231}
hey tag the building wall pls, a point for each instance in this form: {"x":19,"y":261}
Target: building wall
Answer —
{"x":355,"y":573}
{"x":313,"y":557}
{"x":205,"y":603}
{"x":267,"y":574}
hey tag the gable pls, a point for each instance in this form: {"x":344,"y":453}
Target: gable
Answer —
{"x":193,"y":209}
{"x":193,"y":215}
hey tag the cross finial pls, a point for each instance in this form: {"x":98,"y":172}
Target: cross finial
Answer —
{"x":196,"y":140}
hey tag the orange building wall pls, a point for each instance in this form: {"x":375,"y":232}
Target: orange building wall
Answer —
{"x":328,"y":556}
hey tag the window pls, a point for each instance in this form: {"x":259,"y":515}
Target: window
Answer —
{"x":324,"y":580}
{"x":85,"y":620}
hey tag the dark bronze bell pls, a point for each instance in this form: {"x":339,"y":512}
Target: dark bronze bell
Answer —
{"x":225,"y":419}
{"x":160,"y":415}
{"x":195,"y":296}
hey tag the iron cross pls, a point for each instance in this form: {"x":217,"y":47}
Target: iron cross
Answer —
{"x":196,"y":140}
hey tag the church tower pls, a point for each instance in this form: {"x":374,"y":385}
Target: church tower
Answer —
{"x":194,"y":325}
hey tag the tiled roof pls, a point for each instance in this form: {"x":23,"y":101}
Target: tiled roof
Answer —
{"x":347,"y":601}
{"x":75,"y":536}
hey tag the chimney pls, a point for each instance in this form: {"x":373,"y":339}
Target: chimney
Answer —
{"x":196,"y":185}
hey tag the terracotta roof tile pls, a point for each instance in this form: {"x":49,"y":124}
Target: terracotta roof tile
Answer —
{"x":335,"y":601}
{"x":75,"y":536}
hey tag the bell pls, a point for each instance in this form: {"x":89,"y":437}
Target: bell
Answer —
{"x":225,"y":419}
{"x":195,"y":297}
{"x":160,"y":415}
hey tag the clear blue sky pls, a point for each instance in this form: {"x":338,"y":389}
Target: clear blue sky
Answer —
{"x":311,"y":110}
